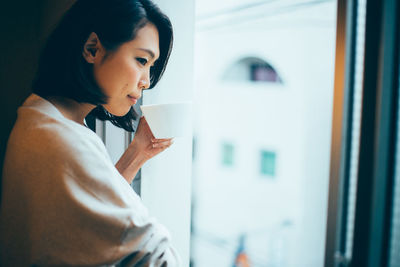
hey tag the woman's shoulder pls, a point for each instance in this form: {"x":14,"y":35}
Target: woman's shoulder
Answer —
{"x":40,"y":126}
{"x":43,"y":142}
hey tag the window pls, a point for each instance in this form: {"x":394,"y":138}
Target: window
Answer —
{"x":253,"y":69}
{"x":264,"y":73}
{"x":227,"y":154}
{"x":363,"y":207}
{"x":268,"y":163}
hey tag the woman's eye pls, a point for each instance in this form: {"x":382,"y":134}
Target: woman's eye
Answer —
{"x":142,"y":61}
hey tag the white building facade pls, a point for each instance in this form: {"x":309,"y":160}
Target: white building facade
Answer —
{"x":261,"y":153}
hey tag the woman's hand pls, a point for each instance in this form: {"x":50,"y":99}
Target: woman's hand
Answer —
{"x":145,"y":142}
{"x":143,"y":147}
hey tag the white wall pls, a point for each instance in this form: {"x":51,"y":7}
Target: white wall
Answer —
{"x":166,"y":179}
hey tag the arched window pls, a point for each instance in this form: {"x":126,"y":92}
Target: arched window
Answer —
{"x":252,"y":69}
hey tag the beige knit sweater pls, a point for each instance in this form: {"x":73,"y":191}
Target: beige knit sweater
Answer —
{"x":65,"y":204}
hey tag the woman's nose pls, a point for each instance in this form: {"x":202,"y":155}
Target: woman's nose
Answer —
{"x":144,"y":83}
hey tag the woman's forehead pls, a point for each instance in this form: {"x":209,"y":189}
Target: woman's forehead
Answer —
{"x":146,"y":40}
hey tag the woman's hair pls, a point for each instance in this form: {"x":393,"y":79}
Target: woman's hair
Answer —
{"x":63,"y":71}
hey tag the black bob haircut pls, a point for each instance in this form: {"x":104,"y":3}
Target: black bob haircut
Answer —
{"x":63,"y":71}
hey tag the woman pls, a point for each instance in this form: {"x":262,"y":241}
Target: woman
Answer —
{"x":64,"y":202}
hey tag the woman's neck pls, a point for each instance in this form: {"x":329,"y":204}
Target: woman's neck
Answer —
{"x":71,"y":109}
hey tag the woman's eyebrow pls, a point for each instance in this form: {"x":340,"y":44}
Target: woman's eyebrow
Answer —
{"x":151,"y":53}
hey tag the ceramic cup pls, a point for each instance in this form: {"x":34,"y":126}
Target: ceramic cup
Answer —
{"x":168,"y":120}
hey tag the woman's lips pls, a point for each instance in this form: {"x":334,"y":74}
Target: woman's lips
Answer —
{"x":132,"y":99}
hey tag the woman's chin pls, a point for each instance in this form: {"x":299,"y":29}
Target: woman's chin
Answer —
{"x":117,"y":112}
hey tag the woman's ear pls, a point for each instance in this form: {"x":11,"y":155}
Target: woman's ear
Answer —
{"x":92,"y":48}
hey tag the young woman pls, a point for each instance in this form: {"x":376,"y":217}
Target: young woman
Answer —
{"x":64,"y":203}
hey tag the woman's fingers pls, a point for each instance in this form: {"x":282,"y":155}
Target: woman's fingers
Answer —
{"x":154,"y":140}
{"x":144,"y":128}
{"x":163,"y":143}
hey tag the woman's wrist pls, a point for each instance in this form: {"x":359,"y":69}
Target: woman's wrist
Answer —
{"x":130,"y":163}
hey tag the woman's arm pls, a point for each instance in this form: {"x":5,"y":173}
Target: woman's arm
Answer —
{"x":57,"y":167}
{"x":143,"y":147}
{"x":156,"y":250}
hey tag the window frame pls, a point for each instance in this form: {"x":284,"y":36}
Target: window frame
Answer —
{"x":375,"y":176}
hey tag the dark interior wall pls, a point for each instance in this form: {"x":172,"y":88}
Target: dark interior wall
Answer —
{"x":24,"y":27}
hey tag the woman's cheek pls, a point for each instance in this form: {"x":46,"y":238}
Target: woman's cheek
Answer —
{"x":133,"y":73}
{"x":105,"y":80}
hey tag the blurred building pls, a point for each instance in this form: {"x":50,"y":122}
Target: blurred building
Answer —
{"x":264,"y":92}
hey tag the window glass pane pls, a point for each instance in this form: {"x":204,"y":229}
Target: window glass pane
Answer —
{"x":263,"y":78}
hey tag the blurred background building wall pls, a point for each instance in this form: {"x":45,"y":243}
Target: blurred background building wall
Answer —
{"x":264,"y":91}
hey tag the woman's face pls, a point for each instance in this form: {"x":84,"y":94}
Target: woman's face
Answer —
{"x":126,"y":72}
